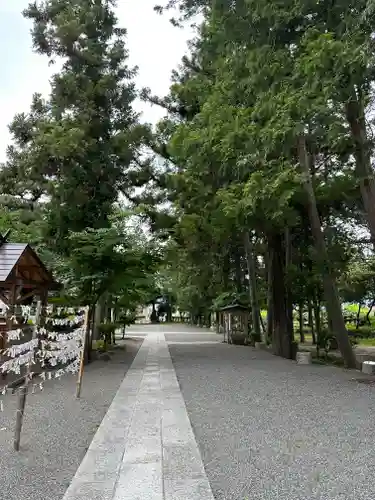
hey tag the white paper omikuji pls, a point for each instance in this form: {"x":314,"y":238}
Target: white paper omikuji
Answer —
{"x":14,"y":334}
{"x":50,"y":347}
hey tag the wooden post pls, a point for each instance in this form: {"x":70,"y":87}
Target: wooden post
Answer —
{"x":229,"y":327}
{"x":113,"y":320}
{"x":19,"y":416}
{"x":9,"y":323}
{"x":24,"y":389}
{"x":86,"y":326}
{"x":245,"y":319}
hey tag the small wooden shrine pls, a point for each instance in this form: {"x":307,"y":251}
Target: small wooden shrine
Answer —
{"x":23,"y":276}
{"x":234,"y":320}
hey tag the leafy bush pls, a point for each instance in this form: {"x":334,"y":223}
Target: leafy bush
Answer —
{"x":107,"y":331}
{"x":127,"y":319}
{"x":254,"y":338}
{"x":99,"y":345}
{"x":105,"y":328}
{"x":353,"y":341}
{"x":64,"y":301}
{"x":326,"y":341}
{"x":368,"y":342}
{"x":363,"y":331}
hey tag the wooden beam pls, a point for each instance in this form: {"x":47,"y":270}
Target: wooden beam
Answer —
{"x":28,"y":266}
{"x":24,"y":283}
{"x":20,"y":299}
{"x":44,"y":303}
{"x":4,"y":299}
{"x":18,"y":291}
{"x":45,"y":285}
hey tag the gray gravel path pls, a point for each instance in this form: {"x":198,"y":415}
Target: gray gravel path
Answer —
{"x":271,"y":430}
{"x":199,"y":337}
{"x":57,"y":430}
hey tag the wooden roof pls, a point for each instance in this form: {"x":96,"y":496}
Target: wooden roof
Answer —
{"x":20,"y":264}
{"x":234,"y":307}
{"x":9,"y":255}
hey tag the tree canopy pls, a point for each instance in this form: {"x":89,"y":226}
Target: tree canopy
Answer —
{"x":257,"y":187}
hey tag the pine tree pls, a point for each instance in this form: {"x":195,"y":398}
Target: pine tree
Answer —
{"x":88,"y":132}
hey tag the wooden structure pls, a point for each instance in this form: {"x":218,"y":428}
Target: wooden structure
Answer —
{"x":235,"y":322}
{"x":23,"y":276}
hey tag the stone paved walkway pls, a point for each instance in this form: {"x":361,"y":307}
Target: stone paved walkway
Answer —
{"x":145,"y":447}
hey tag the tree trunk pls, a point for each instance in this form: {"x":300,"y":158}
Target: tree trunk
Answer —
{"x":262,"y":323}
{"x":330,"y":290}
{"x":153,"y":316}
{"x":237,"y":269}
{"x":289,"y":298}
{"x":108,"y":311}
{"x":317,"y":319}
{"x":169,"y":311}
{"x":98,"y":315}
{"x":207,"y":319}
{"x":318,"y":323}
{"x":355,"y":115}
{"x":226,"y":271}
{"x":301,"y":325}
{"x":369,"y":311}
{"x":269,"y":332}
{"x":311,"y":321}
{"x":282,"y":336}
{"x":250,"y":260}
{"x":358,"y":316}
{"x":113,"y":320}
{"x":88,"y":333}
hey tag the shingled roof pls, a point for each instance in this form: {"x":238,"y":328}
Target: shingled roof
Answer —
{"x":19,"y":261}
{"x":234,"y":307}
{"x":9,"y":256}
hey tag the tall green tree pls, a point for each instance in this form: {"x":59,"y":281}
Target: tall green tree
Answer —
{"x":237,"y":152}
{"x":77,"y":147}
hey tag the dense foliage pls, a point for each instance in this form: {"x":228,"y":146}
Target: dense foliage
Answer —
{"x":258,"y":186}
{"x":74,"y":155}
{"x":270,"y":141}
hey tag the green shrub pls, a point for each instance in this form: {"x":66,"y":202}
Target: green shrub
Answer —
{"x":353,"y":341}
{"x":107,"y":327}
{"x":363,"y":331}
{"x":254,"y":338}
{"x":107,"y":331}
{"x":367,"y":342}
{"x":99,"y":345}
{"x":127,"y":319}
{"x":326,"y":341}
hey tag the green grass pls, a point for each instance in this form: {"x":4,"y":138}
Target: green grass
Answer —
{"x":366,"y":330}
{"x":367,"y":342}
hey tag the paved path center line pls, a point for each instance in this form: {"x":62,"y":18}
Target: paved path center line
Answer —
{"x":145,"y":447}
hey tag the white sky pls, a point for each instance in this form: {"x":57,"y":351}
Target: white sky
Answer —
{"x":155,"y":46}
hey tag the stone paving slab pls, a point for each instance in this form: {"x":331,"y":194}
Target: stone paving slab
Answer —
{"x":197,"y":342}
{"x":145,"y":447}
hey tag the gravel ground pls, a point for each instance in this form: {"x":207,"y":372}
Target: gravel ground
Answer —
{"x":200,"y":337}
{"x":57,"y":429}
{"x":271,"y":430}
